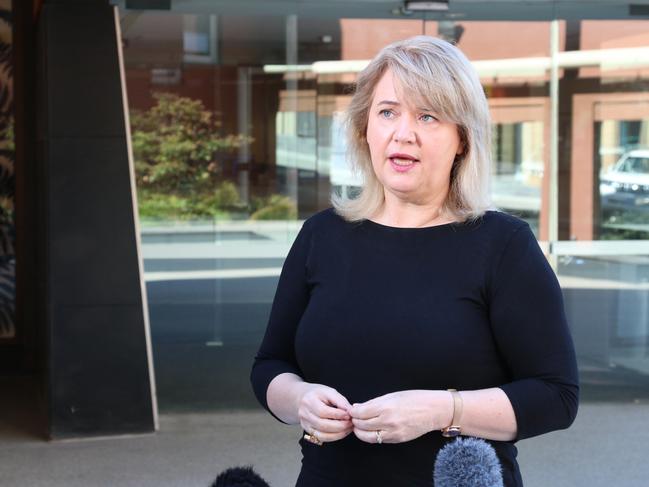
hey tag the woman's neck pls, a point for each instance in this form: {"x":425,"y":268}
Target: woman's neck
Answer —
{"x":399,"y":213}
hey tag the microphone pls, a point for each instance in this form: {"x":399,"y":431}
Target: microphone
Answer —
{"x":239,"y":477}
{"x":467,"y":462}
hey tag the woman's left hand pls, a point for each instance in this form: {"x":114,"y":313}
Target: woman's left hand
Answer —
{"x":401,"y":416}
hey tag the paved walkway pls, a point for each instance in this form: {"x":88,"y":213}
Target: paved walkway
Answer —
{"x":607,"y":446}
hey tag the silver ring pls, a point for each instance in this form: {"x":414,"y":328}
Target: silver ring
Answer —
{"x":379,"y":438}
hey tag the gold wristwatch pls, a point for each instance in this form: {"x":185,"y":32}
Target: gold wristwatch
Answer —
{"x":454,"y":428}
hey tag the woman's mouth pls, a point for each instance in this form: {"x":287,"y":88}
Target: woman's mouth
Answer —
{"x":402,"y":162}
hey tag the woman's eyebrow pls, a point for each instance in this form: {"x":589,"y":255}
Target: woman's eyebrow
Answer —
{"x":388,"y":102}
{"x":396,"y":103}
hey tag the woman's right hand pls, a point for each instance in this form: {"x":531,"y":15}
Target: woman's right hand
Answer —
{"x":325,"y":412}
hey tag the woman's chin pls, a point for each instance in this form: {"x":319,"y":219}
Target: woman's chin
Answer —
{"x":403,"y":191}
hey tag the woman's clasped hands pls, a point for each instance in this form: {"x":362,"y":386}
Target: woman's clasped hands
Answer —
{"x":326,"y":415}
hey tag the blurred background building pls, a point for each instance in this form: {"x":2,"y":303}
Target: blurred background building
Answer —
{"x":166,"y":152}
{"x":568,"y":89}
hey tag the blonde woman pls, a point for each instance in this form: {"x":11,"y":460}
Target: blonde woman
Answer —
{"x":414,"y":313}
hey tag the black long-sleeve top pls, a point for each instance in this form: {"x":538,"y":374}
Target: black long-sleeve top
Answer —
{"x":369,"y":309}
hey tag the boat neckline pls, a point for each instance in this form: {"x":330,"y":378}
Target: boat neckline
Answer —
{"x":454,"y":223}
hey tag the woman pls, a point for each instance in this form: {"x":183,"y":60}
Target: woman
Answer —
{"x":393,"y":301}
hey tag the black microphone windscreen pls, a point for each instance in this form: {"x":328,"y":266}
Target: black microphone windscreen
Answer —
{"x":239,"y":477}
{"x":467,"y":462}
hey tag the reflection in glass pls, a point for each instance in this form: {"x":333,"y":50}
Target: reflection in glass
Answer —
{"x":518,"y":169}
{"x":237,"y":123}
{"x":607,"y":304}
{"x":624,"y":185}
{"x":607,"y":90}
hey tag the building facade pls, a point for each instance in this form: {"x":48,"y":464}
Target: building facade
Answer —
{"x":167,"y":153}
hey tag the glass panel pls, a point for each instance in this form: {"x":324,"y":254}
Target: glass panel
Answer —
{"x":237,"y":137}
{"x":605,"y":87}
{"x":217,"y":189}
{"x":515,"y":79}
{"x":237,"y":110}
{"x":605,"y":196}
{"x":607,"y":304}
{"x":518,"y":97}
{"x":236,"y":140}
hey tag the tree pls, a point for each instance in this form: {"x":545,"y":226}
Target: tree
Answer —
{"x":179,"y":151}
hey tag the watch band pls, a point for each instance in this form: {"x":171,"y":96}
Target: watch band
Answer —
{"x":454,"y":428}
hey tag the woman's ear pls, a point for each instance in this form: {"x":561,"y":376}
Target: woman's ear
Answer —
{"x":463,"y":144}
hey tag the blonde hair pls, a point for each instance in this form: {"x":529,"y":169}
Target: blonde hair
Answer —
{"x":437,"y":74}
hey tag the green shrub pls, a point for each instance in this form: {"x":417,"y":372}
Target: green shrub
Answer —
{"x":277,"y":207}
{"x":179,"y":154}
{"x":217,"y":203}
{"x":154,"y":206}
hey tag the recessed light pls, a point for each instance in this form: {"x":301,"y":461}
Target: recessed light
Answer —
{"x":417,"y":5}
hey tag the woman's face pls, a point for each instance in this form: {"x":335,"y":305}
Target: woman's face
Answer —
{"x":412,"y":150}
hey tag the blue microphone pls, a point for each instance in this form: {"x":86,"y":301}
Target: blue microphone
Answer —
{"x":467,"y":462}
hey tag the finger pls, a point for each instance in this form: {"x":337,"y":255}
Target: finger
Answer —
{"x":370,"y":436}
{"x":366,"y":410}
{"x":338,"y":402}
{"x":342,"y":434}
{"x":371,"y":424}
{"x":310,"y":422}
{"x":323,"y":409}
{"x":327,"y":412}
{"x":329,"y":437}
{"x":307,"y":427}
{"x":328,"y":425}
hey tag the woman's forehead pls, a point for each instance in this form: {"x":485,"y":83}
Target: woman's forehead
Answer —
{"x":391,"y":89}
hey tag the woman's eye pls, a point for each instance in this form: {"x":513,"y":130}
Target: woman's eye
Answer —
{"x":427,"y":118}
{"x":386,"y":113}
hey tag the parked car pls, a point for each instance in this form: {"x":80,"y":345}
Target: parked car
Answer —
{"x":625,"y":187}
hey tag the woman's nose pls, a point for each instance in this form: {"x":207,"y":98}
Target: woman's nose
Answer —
{"x":404,"y":132}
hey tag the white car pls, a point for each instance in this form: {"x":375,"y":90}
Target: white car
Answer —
{"x":625,"y":186}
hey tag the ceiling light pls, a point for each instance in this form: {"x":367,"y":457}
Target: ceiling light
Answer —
{"x":418,"y":5}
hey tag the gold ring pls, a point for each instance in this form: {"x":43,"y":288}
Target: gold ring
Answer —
{"x":379,"y":438}
{"x":313,"y":438}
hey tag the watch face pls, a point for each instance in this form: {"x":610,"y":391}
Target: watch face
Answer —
{"x":452,"y":432}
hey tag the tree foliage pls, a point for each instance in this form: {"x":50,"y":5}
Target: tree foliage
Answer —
{"x":276,"y":207}
{"x":179,"y":154}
